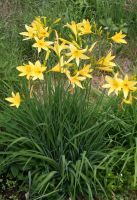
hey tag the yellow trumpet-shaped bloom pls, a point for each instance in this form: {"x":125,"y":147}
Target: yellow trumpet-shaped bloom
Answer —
{"x":81,"y":28}
{"x":56,"y":68}
{"x":114,"y":84}
{"x":84,"y":27}
{"x":57,"y":48}
{"x":14,"y":99}
{"x":36,"y":29}
{"x":74,"y":27}
{"x":60,"y":67}
{"x":42,"y":44}
{"x":119,"y":38}
{"x":38,"y":71}
{"x":26,"y":70}
{"x":106,"y":64}
{"x":37,"y":23}
{"x":128,"y":86}
{"x":42,"y":32}
{"x":85,"y":71}
{"x":75,"y":80}
{"x":30,"y":34}
{"x":77,"y":54}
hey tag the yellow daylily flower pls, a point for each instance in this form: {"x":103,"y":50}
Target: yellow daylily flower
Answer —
{"x":114,"y":84}
{"x":56,"y":68}
{"x":14,"y":99}
{"x":85,"y":71}
{"x":59,"y":67}
{"x":42,"y":44}
{"x":43,"y":32}
{"x":74,"y":28}
{"x":26,"y":70}
{"x":106,"y":64}
{"x":84,"y":27}
{"x":75,"y":80}
{"x":76,"y":54}
{"x":118,"y":38}
{"x":38,"y":71}
{"x":57,"y":48}
{"x":37,"y":23}
{"x":30,"y":34}
{"x":128,"y":86}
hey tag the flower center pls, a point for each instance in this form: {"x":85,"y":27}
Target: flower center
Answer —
{"x":115,"y":84}
{"x":38,"y":71}
{"x":41,"y":43}
{"x":76,"y":54}
{"x":28,"y":69}
{"x":125,"y":85}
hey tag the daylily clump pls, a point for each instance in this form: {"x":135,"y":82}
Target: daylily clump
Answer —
{"x":76,"y":57}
